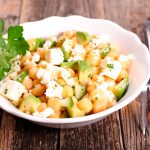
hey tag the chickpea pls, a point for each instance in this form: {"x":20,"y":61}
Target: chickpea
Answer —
{"x":42,"y":64}
{"x":93,"y":58}
{"x":86,"y":105}
{"x":95,"y":70}
{"x":111,"y":103}
{"x":126,"y":64}
{"x":71,"y":71}
{"x":28,"y":83}
{"x":29,"y":66}
{"x":36,"y":81}
{"x":88,"y":48}
{"x":56,"y":115}
{"x":69,"y":34}
{"x":41,"y":52}
{"x":113,"y":54}
{"x":90,"y":88}
{"x":99,"y":106}
{"x":95,"y":78}
{"x":38,"y":90}
{"x":54,"y":104}
{"x":67,"y":91}
{"x":25,"y":58}
{"x":61,"y":82}
{"x":98,"y":95}
{"x":32,"y":72}
{"x":41,"y":107}
{"x":43,"y":98}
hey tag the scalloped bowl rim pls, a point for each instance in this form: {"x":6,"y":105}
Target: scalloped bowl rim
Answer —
{"x":92,"y":116}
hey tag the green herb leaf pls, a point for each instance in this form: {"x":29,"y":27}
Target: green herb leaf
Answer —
{"x":1,"y":27}
{"x":11,"y":47}
{"x":110,"y":66}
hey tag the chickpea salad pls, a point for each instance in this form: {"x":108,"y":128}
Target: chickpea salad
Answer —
{"x":72,"y":74}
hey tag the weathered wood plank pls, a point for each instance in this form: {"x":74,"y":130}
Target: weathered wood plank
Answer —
{"x":28,"y":135}
{"x":9,"y":11}
{"x":130,"y":15}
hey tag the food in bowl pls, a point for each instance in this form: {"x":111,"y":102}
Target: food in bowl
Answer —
{"x":72,"y":74}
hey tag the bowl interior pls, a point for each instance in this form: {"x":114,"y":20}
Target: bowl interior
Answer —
{"x":126,"y":41}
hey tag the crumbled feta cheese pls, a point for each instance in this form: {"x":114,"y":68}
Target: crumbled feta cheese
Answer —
{"x":47,"y":44}
{"x":110,"y":95}
{"x":35,"y":58}
{"x":54,"y":90}
{"x":123,"y":58}
{"x":47,"y":75}
{"x":111,"y":68}
{"x":74,"y":58}
{"x":99,"y":40}
{"x":45,"y":113}
{"x":78,"y":49}
{"x":100,"y":78}
{"x":12,"y":89}
{"x":55,"y":56}
{"x":67,"y":77}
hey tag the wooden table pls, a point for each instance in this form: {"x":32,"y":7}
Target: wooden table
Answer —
{"x":121,"y":130}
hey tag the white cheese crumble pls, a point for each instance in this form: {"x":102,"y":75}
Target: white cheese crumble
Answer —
{"x":35,"y":58}
{"x":78,"y":49}
{"x":55,"y":56}
{"x":46,"y":75}
{"x":47,"y":44}
{"x":54,"y":90}
{"x":112,"y":71}
{"x":45,"y":113}
{"x":12,"y":89}
{"x":74,"y":58}
{"x":123,"y":58}
{"x":99,"y":40}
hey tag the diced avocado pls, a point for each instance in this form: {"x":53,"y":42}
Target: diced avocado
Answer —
{"x":84,"y":72}
{"x":80,"y":91}
{"x":66,"y":48}
{"x":120,"y":89}
{"x":35,"y":43}
{"x":75,"y":111}
{"x":53,"y":44}
{"x":67,"y":102}
{"x":104,"y":50}
{"x":71,"y":64}
{"x":83,"y":68}
{"x":83,"y":37}
{"x":22,"y":76}
{"x":29,"y":104}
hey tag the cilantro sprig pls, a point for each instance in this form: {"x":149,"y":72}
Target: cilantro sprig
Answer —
{"x":13,"y":45}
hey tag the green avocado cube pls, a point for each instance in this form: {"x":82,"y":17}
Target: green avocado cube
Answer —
{"x":29,"y":104}
{"x":83,"y":37}
{"x":121,"y":88}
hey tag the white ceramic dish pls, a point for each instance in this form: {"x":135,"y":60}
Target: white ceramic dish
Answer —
{"x":126,"y":40}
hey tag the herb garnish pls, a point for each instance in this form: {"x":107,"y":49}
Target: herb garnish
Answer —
{"x":13,"y":45}
{"x":110,"y":66}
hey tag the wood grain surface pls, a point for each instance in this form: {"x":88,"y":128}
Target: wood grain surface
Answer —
{"x":119,"y":131}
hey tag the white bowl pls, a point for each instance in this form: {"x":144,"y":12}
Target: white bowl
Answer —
{"x":126,"y":40}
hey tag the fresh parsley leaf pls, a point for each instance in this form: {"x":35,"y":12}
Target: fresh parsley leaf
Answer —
{"x":110,"y":66}
{"x":14,"y":45}
{"x":1,"y":27}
